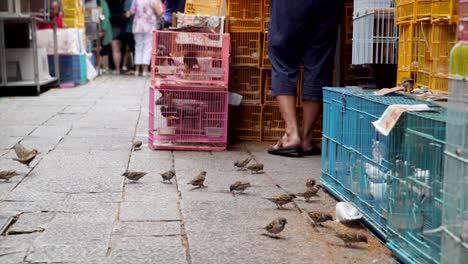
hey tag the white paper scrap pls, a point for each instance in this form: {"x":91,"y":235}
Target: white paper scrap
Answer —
{"x":391,"y":115}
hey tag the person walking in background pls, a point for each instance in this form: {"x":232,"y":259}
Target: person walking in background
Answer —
{"x":118,"y":27}
{"x":172,"y":6}
{"x":301,"y":30}
{"x":145,"y":21}
{"x":127,"y":36}
{"x":105,"y":35}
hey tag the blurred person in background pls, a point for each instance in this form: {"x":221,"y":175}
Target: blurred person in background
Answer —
{"x":172,"y":6}
{"x":127,"y":36}
{"x":118,"y":23}
{"x":145,"y":22}
{"x":55,"y":15}
{"x":105,"y":35}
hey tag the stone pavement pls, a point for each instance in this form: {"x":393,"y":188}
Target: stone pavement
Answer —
{"x":73,"y":205}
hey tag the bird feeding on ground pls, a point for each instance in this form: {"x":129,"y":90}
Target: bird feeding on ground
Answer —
{"x":25,"y":156}
{"x":198,"y":180}
{"x":137,"y":145}
{"x":255,"y":168}
{"x":134,"y":176}
{"x":310,"y":192}
{"x":282,"y":199}
{"x":319,"y":217}
{"x":310,"y":183}
{"x":7,"y":174}
{"x":241,"y":164}
{"x":239,"y":186}
{"x":276,"y":226}
{"x":351,"y":237}
{"x":168,"y":175}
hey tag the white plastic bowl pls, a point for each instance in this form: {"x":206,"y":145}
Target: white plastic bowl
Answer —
{"x":347,"y":212}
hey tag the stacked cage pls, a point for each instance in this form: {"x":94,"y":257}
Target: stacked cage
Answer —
{"x":395,"y":180}
{"x":188,"y":104}
{"x":375,"y":41}
{"x":455,"y":210}
{"x":427,"y":34}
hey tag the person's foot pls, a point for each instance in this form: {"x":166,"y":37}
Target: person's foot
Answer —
{"x":137,"y":73}
{"x":289,"y":146}
{"x":311,"y":148}
{"x":145,"y":74}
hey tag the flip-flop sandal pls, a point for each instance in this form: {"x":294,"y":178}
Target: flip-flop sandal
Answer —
{"x":292,"y":151}
{"x":312,"y":152}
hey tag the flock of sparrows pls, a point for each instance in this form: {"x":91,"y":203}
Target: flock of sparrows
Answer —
{"x":26,"y":156}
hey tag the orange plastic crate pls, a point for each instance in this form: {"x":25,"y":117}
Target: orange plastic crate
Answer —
{"x":407,"y":48}
{"x":266,"y":15}
{"x":245,"y":15}
{"x":246,"y":81}
{"x":423,"y":9}
{"x":203,"y":7}
{"x":265,"y":59}
{"x":248,"y":123}
{"x":404,"y":11}
{"x":269,"y":99}
{"x":246,"y":49}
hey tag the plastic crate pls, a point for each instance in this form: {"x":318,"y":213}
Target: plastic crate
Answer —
{"x":204,"y":7}
{"x":72,"y":68}
{"x":186,"y":119}
{"x":405,"y":11}
{"x":444,"y":37}
{"x":362,"y":7}
{"x":265,"y":59}
{"x":248,"y":122}
{"x":247,"y":82}
{"x":266,"y":15}
{"x":443,"y":10}
{"x":407,"y":51}
{"x":273,"y":124}
{"x":190,"y":59}
{"x":424,"y":35}
{"x":423,"y":9}
{"x":246,"y":49}
{"x":269,"y":99}
{"x":245,"y":15}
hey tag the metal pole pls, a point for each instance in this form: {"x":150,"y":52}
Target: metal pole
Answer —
{"x":32,"y":25}
{"x":3,"y":72}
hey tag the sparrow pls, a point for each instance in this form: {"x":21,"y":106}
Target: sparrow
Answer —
{"x":276,"y":226}
{"x":137,"y":145}
{"x":198,"y":180}
{"x":282,"y":199}
{"x":349,"y":238}
{"x":255,"y":167}
{"x":239,"y":186}
{"x":310,"y":192}
{"x":240,"y":164}
{"x":310,"y":183}
{"x":407,"y":83}
{"x":168,"y":175}
{"x":319,"y":218}
{"x":25,"y":156}
{"x":7,"y":174}
{"x":134,"y":176}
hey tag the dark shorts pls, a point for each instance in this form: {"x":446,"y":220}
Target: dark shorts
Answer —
{"x":303,"y":31}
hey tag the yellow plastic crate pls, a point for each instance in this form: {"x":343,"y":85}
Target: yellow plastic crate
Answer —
{"x":407,"y":48}
{"x":248,"y":122}
{"x":266,"y":15}
{"x":72,"y":22}
{"x":444,"y":37}
{"x":404,"y":11}
{"x":423,"y":33}
{"x":246,"y":49}
{"x":423,"y":79}
{"x":78,"y":4}
{"x":246,"y":81}
{"x":439,"y":84}
{"x":265,"y":59}
{"x":423,"y":9}
{"x":443,"y":10}
{"x":269,"y":99}
{"x":245,"y":15}
{"x":204,"y":7}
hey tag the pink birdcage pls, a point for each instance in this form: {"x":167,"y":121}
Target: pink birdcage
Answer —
{"x":190,"y":59}
{"x":186,"y":119}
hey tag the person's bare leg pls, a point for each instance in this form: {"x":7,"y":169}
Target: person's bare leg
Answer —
{"x":144,"y":69}
{"x":311,"y":112}
{"x":116,"y":54}
{"x":287,"y":106}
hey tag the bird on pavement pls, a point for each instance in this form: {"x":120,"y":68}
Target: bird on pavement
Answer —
{"x":239,"y":186}
{"x":255,"y":167}
{"x":198,"y":180}
{"x":168,"y":175}
{"x":7,"y":174}
{"x":240,"y":164}
{"x":319,"y":217}
{"x":310,"y":183}
{"x":350,"y":237}
{"x":25,"y":156}
{"x":310,"y":192}
{"x":282,"y":199}
{"x":134,"y":176}
{"x":137,"y":145}
{"x":276,"y":226}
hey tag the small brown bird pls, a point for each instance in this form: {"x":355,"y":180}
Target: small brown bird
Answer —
{"x":319,"y":217}
{"x":349,"y":238}
{"x":255,"y":167}
{"x":168,"y":175}
{"x":25,"y":156}
{"x":276,"y":226}
{"x":134,"y":176}
{"x":310,"y":192}
{"x":282,"y":199}
{"x":310,"y":183}
{"x":137,"y":145}
{"x":198,"y":180}
{"x":7,"y":174}
{"x":239,"y":186}
{"x":240,"y":164}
